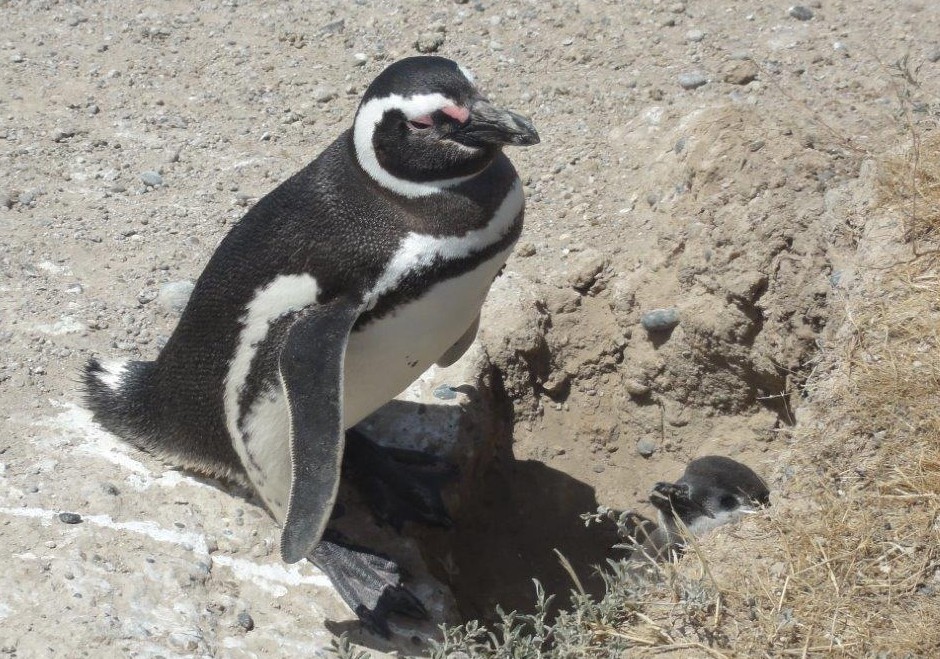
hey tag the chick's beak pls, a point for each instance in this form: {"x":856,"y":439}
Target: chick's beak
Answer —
{"x":488,"y":124}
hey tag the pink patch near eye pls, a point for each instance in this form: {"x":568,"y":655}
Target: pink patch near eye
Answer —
{"x":457,"y":112}
{"x":424,"y":121}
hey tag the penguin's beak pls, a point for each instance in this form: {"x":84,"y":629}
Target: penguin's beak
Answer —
{"x":677,"y":498}
{"x":488,"y":124}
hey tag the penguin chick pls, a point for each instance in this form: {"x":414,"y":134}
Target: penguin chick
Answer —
{"x":714,"y":490}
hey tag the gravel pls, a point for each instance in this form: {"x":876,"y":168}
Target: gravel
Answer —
{"x":660,"y":320}
{"x":70,"y":518}
{"x":245,"y":621}
{"x":692,"y":80}
{"x":800,"y":13}
{"x":646,"y":447}
{"x":174,"y":296}
{"x":151,"y":179}
{"x":445,"y":392}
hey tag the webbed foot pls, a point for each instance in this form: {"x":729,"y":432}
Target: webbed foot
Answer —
{"x":368,"y":582}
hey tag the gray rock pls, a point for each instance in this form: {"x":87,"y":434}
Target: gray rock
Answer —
{"x":151,"y":179}
{"x":636,"y":388}
{"x":174,"y":295}
{"x":324,"y":94}
{"x":245,"y":621}
{"x":934,"y":56}
{"x":62,"y":134}
{"x":741,"y":72}
{"x":70,"y":518}
{"x":646,"y":447}
{"x":429,"y":42}
{"x":26,"y":198}
{"x":335,"y":27}
{"x":660,"y":320}
{"x":692,"y":80}
{"x":800,"y":13}
{"x":445,"y":392}
{"x":585,"y":269}
{"x":694,"y":36}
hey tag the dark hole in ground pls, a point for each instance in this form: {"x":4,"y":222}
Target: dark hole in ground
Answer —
{"x":510,"y":515}
{"x":506,"y":533}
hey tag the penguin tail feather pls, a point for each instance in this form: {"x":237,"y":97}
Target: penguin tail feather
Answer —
{"x":114,"y":391}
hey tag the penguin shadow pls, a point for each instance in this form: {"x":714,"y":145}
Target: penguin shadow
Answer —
{"x":509,"y":518}
{"x":518,"y":517}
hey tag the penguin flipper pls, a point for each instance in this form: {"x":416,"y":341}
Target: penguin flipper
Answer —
{"x":311,"y":370}
{"x":456,"y":351}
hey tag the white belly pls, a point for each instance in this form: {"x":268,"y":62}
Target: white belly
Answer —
{"x":390,"y":353}
{"x":381,"y":361}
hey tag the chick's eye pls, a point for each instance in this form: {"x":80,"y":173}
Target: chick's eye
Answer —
{"x":422,"y":122}
{"x":728,"y":502}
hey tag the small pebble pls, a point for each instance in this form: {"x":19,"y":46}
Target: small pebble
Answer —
{"x":245,"y":621}
{"x":323,"y":94}
{"x":109,"y":488}
{"x":63,"y":134}
{"x":445,"y":392}
{"x":800,"y":13}
{"x":636,"y":388}
{"x":646,"y":447}
{"x":335,"y":27}
{"x":359,"y":59}
{"x":151,"y":179}
{"x":934,"y":56}
{"x":525,"y":250}
{"x":429,"y":42}
{"x":741,"y":72}
{"x":694,"y":36}
{"x":692,"y":80}
{"x":660,"y":320}
{"x":70,"y":518}
{"x":174,"y":295}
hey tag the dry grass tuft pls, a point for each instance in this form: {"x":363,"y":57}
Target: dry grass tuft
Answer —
{"x":910,"y":185}
{"x":855,"y":569}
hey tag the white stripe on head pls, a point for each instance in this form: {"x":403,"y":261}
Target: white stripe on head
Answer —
{"x":370,"y":115}
{"x":112,"y":373}
{"x":282,"y":295}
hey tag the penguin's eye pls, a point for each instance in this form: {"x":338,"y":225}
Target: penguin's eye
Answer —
{"x":728,"y":502}
{"x":421,"y":123}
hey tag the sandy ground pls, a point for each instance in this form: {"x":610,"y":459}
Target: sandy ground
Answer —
{"x":694,"y":156}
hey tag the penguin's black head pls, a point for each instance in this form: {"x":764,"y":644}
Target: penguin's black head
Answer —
{"x":423,"y":125}
{"x":713,"y":487}
{"x":725,"y":485}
